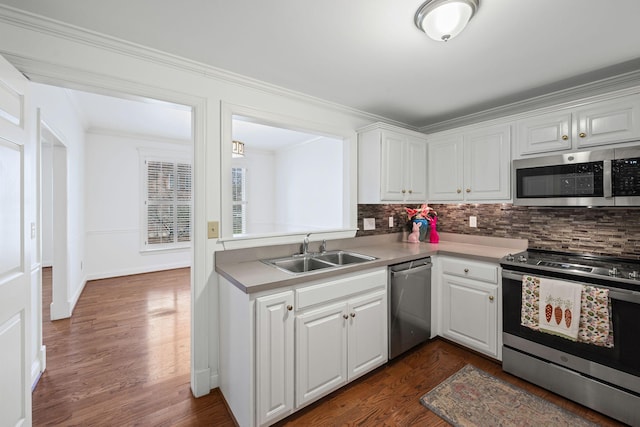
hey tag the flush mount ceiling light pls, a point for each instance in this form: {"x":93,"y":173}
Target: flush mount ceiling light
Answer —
{"x":444,"y":19}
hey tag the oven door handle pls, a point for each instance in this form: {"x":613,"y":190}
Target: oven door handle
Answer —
{"x":625,"y":295}
{"x":507,"y":274}
{"x":618,"y":294}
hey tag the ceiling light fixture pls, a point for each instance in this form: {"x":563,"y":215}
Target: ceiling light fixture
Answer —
{"x":238,"y":149}
{"x":444,"y":19}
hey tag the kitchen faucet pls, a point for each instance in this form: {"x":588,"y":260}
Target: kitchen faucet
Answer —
{"x":305,"y":244}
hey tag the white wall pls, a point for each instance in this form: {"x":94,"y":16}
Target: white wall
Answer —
{"x":113,"y":206}
{"x":309,"y":179}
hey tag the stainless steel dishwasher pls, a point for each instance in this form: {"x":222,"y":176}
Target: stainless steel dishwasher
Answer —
{"x":409,"y":305}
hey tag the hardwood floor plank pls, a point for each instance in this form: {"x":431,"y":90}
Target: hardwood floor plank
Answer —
{"x":123,"y":360}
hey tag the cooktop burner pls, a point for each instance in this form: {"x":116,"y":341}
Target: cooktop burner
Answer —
{"x":617,"y":269}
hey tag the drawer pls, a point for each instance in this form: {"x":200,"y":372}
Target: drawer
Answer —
{"x":470,"y":269}
{"x":340,"y":288}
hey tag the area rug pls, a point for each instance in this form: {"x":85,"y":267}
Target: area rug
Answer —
{"x":472,"y":397}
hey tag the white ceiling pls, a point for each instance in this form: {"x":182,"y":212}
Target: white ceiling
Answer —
{"x":369,"y":55}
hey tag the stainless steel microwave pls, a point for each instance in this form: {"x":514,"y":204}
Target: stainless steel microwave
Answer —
{"x":609,"y":177}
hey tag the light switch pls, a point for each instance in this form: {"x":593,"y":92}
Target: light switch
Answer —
{"x":212,"y":229}
{"x":473,"y":221}
{"x":390,"y":222}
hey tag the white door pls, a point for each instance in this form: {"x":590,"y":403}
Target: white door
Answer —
{"x":15,"y":244}
{"x":487,"y":165}
{"x":470,"y":313}
{"x":393,"y":185}
{"x":445,"y":169}
{"x":416,"y":170}
{"x":367,"y":347}
{"x":274,"y":356}
{"x":321,"y":352}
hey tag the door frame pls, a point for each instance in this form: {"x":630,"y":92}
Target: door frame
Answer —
{"x":201,"y":373}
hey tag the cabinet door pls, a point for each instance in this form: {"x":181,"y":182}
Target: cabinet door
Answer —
{"x":544,"y":133}
{"x":470,"y":313}
{"x":392,"y":185}
{"x":606,"y":122}
{"x":445,"y":169}
{"x":487,"y":164}
{"x":274,"y":356}
{"x":321,"y":352}
{"x":367,"y":333}
{"x":416,"y":170}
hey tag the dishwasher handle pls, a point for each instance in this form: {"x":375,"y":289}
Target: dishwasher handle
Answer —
{"x":412,"y":270}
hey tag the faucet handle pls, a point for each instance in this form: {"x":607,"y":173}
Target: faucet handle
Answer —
{"x":323,"y":246}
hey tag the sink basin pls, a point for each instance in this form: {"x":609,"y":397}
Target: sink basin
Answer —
{"x":343,"y":258}
{"x":300,"y":265}
{"x":311,"y":262}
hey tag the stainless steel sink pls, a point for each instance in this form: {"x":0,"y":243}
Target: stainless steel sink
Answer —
{"x":344,"y":258}
{"x":300,"y":263}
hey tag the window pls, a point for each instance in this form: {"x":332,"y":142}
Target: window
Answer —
{"x":168,"y":204}
{"x":239,"y":199}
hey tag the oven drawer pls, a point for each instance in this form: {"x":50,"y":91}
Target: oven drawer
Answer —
{"x":470,"y":269}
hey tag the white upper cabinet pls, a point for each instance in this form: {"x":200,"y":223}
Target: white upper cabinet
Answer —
{"x":392,"y":164}
{"x":604,"y":122}
{"x":471,"y":165}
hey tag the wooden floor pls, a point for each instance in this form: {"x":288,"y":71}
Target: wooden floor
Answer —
{"x":123,"y":359}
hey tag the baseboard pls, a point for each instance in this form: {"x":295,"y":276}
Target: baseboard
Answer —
{"x":137,"y":270}
{"x":58,"y":312}
{"x":76,"y":296}
{"x":214,"y":381}
{"x":201,"y":382}
{"x":38,"y":366}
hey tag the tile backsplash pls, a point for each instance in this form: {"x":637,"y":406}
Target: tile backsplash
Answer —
{"x":599,"y":231}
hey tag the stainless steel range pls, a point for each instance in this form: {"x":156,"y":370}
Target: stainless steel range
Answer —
{"x":605,"y":378}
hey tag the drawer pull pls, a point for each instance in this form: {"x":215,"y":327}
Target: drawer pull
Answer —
{"x":289,"y":307}
{"x":565,"y":137}
{"x":490,"y":297}
{"x":345,"y":316}
{"x":353,"y":315}
{"x":466,"y":270}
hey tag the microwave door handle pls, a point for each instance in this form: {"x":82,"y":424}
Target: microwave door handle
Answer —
{"x":608,"y":193}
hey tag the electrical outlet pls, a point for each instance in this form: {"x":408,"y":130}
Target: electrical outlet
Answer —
{"x":212,"y":229}
{"x":390,"y":222}
{"x":369,"y":223}
{"x":473,"y":221}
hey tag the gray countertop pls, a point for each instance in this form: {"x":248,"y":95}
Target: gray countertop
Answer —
{"x":243,"y":267}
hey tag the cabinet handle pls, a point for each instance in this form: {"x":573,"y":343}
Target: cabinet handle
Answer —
{"x":582,"y":134}
{"x":458,"y":191}
{"x":404,"y":191}
{"x":353,"y":315}
{"x":466,"y":270}
{"x":565,"y":137}
{"x":468,"y":190}
{"x":289,"y":307}
{"x":490,"y":297}
{"x":410,"y":191}
{"x":345,"y":317}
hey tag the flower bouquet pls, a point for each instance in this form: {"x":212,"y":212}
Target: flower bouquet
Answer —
{"x":427,"y":219}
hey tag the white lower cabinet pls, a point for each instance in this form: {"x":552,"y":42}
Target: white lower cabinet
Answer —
{"x":280,"y":351}
{"x":338,"y":343}
{"x":321,"y":344}
{"x":274,"y":356}
{"x":470,"y":304}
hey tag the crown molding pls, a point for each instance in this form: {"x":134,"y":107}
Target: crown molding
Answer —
{"x":50,"y":27}
{"x":622,"y":84}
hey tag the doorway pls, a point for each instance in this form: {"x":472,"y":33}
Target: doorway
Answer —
{"x":103,"y":231}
